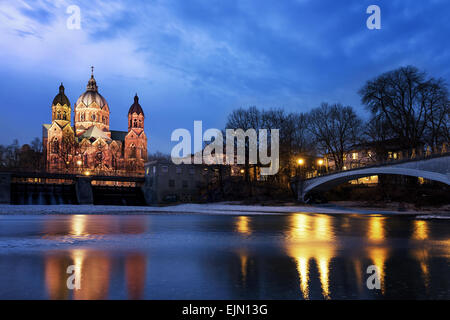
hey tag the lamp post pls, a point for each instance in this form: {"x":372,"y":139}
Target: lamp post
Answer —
{"x":300,"y":163}
{"x":79,"y":163}
{"x":320,"y":163}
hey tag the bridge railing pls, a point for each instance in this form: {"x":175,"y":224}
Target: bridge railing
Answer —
{"x":374,"y":164}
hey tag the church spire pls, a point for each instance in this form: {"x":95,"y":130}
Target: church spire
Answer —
{"x":92,"y":84}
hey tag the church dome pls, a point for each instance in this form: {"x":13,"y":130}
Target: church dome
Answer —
{"x":61,"y":98}
{"x":136,"y":107}
{"x":91,"y":95}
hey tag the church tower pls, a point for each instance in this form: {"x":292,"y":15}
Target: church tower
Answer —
{"x":135,"y":140}
{"x":59,"y":138}
{"x":61,"y":111}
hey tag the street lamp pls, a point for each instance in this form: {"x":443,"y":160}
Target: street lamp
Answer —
{"x":320,"y":163}
{"x":300,"y":163}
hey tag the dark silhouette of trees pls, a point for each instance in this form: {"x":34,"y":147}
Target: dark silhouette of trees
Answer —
{"x":413,"y":107}
{"x":294,"y":136}
{"x":335,"y":129}
{"x":28,"y":157}
{"x":245,"y":119}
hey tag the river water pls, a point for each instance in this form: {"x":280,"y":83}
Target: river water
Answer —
{"x":295,"y":256}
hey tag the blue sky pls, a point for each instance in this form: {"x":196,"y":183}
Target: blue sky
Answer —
{"x":200,"y":59}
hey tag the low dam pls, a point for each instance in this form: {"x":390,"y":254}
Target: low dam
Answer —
{"x":53,"y":189}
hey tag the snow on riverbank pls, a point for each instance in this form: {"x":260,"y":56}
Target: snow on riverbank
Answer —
{"x":214,"y":208}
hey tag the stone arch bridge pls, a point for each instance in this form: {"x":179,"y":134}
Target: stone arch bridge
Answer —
{"x":436,"y":168}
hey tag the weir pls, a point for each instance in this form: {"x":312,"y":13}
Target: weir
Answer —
{"x":54,"y":189}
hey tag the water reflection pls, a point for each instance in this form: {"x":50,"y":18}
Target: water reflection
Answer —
{"x":310,"y":237}
{"x":78,"y":225}
{"x":56,"y":276}
{"x":378,"y":256}
{"x":135,"y":271}
{"x":243,"y":225}
{"x":376,"y":230}
{"x":309,"y":256}
{"x":94,"y":270}
{"x":243,"y":260}
{"x":420,"y":230}
{"x":377,"y":252}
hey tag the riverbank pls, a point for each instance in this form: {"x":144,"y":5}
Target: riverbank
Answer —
{"x":222,"y":208}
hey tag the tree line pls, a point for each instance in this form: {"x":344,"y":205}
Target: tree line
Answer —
{"x":405,"y":105}
{"x":25,"y":157}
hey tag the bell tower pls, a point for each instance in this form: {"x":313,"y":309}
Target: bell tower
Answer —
{"x":135,"y":140}
{"x":61,"y":111}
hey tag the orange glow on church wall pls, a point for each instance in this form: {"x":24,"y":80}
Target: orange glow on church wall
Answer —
{"x":89,"y":145}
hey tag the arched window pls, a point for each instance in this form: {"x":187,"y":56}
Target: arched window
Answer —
{"x":64,"y":116}
{"x":93,"y":117}
{"x":82,"y":117}
{"x":133,"y":151}
{"x":130,"y":122}
{"x":140,"y":123}
{"x":85,"y":159}
{"x":58,"y":115}
{"x":135,"y":123}
{"x":55,"y":145}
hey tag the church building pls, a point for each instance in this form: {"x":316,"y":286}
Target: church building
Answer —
{"x":89,"y":146}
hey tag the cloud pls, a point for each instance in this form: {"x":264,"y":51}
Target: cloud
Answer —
{"x":201,"y":59}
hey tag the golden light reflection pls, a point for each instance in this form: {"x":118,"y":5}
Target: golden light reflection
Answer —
{"x":311,"y":237}
{"x":243,"y":259}
{"x":376,"y":228}
{"x":135,"y":273}
{"x":95,"y":271}
{"x":243,"y":225}
{"x":421,"y":230}
{"x":379,"y":255}
{"x":302,"y":264}
{"x":323,"y":229}
{"x":78,"y":224}
{"x":358,"y":269}
{"x":422,"y":256}
{"x":56,"y":276}
{"x":299,"y":226}
{"x":324,"y":263}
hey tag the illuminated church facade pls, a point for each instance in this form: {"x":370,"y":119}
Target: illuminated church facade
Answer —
{"x":89,"y":146}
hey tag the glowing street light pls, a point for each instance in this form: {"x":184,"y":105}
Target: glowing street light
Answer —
{"x":320,"y":162}
{"x":79,"y":162}
{"x":299,"y":169}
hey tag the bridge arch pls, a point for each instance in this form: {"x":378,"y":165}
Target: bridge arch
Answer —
{"x":436,"y":169}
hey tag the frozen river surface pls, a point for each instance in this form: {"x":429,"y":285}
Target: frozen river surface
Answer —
{"x":189,"y":256}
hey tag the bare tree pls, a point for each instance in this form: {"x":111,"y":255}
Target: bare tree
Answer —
{"x":65,"y":150}
{"x":409,"y":104}
{"x":377,"y":134}
{"x":335,"y":129}
{"x":245,"y":119}
{"x":437,"y":121}
{"x":36,"y":145}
